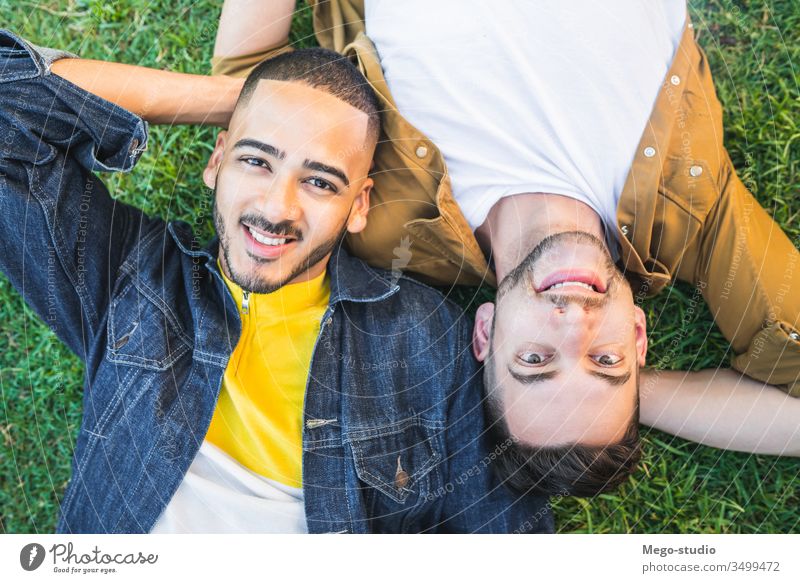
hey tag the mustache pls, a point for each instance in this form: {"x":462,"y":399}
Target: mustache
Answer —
{"x":283,"y":228}
{"x":562,"y":300}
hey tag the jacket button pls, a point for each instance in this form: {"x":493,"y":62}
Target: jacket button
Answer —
{"x":649,"y":151}
{"x":696,"y":171}
{"x":422,"y":151}
{"x":794,"y":336}
{"x":134,"y":145}
{"x":400,"y":476}
{"x":675,"y":80}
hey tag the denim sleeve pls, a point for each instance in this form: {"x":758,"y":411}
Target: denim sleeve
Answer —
{"x":475,"y":500}
{"x":62,"y":237}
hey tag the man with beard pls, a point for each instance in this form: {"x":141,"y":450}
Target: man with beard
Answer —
{"x":509,"y":123}
{"x":574,"y":135}
{"x":268,"y":381}
{"x":536,"y":145}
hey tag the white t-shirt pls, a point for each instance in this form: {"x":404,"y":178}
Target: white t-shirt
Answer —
{"x":528,"y":96}
{"x":219,"y":495}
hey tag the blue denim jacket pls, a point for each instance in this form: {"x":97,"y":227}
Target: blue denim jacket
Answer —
{"x":145,"y":307}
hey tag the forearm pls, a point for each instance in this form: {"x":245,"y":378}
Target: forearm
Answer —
{"x":721,"y":408}
{"x":160,"y":97}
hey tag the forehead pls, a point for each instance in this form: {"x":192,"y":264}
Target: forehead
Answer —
{"x":574,"y":408}
{"x":298,"y":118}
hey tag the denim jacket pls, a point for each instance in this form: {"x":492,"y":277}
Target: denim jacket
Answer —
{"x":143,"y":304}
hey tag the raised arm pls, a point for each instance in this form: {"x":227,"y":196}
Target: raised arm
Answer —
{"x":63,"y":238}
{"x":721,"y":408}
{"x":253,"y":26}
{"x":160,"y":97}
{"x":247,"y":27}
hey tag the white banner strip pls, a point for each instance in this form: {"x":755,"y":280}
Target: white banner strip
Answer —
{"x":385,"y":559}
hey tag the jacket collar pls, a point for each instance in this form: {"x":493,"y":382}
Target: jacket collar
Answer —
{"x":351,"y":279}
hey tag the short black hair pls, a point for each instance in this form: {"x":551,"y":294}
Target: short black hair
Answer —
{"x":565,"y":470}
{"x":321,"y":69}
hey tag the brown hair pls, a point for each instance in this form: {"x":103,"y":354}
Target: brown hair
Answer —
{"x":571,"y":469}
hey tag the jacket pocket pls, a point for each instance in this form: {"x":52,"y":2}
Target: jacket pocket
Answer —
{"x":398,"y":459}
{"x":142,"y":331}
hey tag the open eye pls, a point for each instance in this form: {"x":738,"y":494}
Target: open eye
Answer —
{"x":321,"y":184}
{"x":257,"y":162}
{"x":531,"y":358}
{"x":607,"y":359}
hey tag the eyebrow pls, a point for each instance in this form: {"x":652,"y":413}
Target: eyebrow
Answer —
{"x":333,"y":170}
{"x":266,"y":148}
{"x":540,"y":377}
{"x":613,"y":380}
{"x":529,"y":379}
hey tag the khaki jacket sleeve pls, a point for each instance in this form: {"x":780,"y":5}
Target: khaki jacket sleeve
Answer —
{"x":241,"y":65}
{"x":751,"y":276}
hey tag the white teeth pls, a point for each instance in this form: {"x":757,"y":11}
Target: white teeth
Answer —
{"x":265,"y":240}
{"x":580,"y":283}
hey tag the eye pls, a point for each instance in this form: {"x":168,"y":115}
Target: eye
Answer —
{"x":321,"y":184}
{"x":258,"y":162}
{"x":607,"y":359}
{"x":534,"y":358}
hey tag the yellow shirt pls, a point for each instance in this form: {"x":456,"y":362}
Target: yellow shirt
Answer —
{"x":259,"y":415}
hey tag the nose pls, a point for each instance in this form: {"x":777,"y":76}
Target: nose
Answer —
{"x":279,"y":201}
{"x":574,"y":313}
{"x":574,"y":321}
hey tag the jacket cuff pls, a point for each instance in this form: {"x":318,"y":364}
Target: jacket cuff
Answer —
{"x":43,"y":113}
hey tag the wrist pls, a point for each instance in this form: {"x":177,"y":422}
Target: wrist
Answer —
{"x":229,"y":88}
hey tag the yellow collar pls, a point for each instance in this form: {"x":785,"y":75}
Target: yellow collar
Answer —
{"x":290,"y":298}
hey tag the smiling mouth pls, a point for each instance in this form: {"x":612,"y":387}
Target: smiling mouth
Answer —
{"x":573,"y":279}
{"x":269,"y":239}
{"x":572,"y":284}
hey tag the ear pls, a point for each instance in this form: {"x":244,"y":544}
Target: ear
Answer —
{"x":640,"y":325}
{"x":481,"y":332}
{"x":212,"y":168}
{"x":360,"y":208}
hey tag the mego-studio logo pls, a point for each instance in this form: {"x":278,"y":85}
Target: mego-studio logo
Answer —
{"x":31,"y":556}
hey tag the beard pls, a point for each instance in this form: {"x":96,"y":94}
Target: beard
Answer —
{"x":522,"y":274}
{"x":252,"y":283}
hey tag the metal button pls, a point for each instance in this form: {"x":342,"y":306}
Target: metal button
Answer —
{"x":422,"y":151}
{"x":329,"y":320}
{"x":649,"y":151}
{"x":400,"y":476}
{"x":624,"y":230}
{"x":134,"y":145}
{"x":794,"y":336}
{"x":696,"y":171}
{"x":675,"y":80}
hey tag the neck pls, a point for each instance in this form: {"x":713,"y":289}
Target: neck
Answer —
{"x":516,"y":224}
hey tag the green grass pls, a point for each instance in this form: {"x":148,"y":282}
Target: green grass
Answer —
{"x":754,"y":51}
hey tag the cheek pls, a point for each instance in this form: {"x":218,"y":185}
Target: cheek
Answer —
{"x":523,"y":320}
{"x":323,"y":218}
{"x":232,"y":194}
{"x":223,"y":204}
